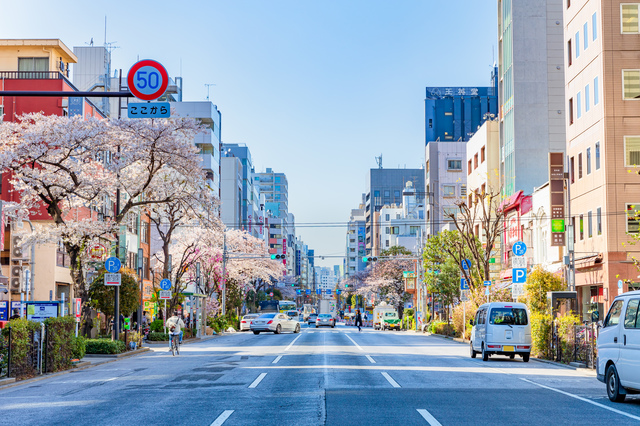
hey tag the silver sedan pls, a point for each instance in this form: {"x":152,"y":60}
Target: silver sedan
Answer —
{"x":245,"y":322}
{"x":274,"y":322}
{"x":325,"y":319}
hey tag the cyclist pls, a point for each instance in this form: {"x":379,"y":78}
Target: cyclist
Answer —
{"x":174,"y":324}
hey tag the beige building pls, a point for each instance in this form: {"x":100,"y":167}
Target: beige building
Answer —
{"x":602,"y":61}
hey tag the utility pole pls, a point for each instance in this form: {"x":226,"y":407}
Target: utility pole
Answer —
{"x":224,"y":267}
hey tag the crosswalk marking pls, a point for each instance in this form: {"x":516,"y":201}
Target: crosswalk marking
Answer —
{"x":222,"y":417}
{"x":428,"y":417}
{"x":390,"y":379}
{"x":257,"y":381}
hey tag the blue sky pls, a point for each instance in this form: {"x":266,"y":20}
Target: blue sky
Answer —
{"x":316,"y":89}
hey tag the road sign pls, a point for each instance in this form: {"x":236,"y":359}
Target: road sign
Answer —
{"x":518,"y":262}
{"x":519,"y":248}
{"x":338,"y":291}
{"x":78,"y":308}
{"x":487,"y":291}
{"x":149,"y":110}
{"x":519,"y":275}
{"x":165,"y":284}
{"x":487,"y":283}
{"x":464,"y":296}
{"x":112,"y":279}
{"x":328,"y":291}
{"x":492,"y":260}
{"x":271,"y":294}
{"x":517,"y":290}
{"x":164,"y":294}
{"x":620,"y":282}
{"x":147,"y":80}
{"x":112,"y":265}
{"x":464,"y":285}
{"x":298,"y":291}
{"x":308,"y":291}
{"x":466,"y":264}
{"x":408,"y":274}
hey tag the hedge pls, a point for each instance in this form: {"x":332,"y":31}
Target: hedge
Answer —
{"x":79,"y":347}
{"x":23,"y":353}
{"x":105,"y":346}
{"x":158,"y":337}
{"x":439,"y":327}
{"x":157,"y":325}
{"x":59,"y":350}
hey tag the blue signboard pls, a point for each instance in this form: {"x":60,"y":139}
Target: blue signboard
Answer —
{"x":318,"y":291}
{"x":75,"y":106}
{"x":464,"y":285}
{"x":298,"y":291}
{"x":165,"y":284}
{"x":519,"y":275}
{"x":519,"y":248}
{"x":328,"y":291}
{"x":112,"y":265}
{"x":338,"y":291}
{"x":4,"y":310}
{"x":466,"y":264}
{"x":308,"y":291}
{"x":40,"y":311}
{"x":487,"y":283}
{"x":149,"y":110}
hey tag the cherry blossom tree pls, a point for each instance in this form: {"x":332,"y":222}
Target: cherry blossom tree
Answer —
{"x":385,"y":279}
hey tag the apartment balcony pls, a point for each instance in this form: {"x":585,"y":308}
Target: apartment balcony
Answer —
{"x":209,"y":162}
{"x":207,"y":140}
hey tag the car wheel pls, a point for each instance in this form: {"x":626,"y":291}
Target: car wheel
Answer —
{"x":485,"y":354}
{"x":525,"y":357}
{"x":473,"y":353}
{"x":333,"y":326}
{"x":278,"y":329}
{"x":256,"y":332}
{"x":297,"y":330}
{"x":613,"y":385}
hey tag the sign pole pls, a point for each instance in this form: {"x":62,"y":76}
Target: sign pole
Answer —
{"x":164,"y":316}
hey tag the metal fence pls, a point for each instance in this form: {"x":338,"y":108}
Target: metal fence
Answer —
{"x":577,"y":346}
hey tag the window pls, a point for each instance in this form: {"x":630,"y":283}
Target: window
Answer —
{"x":277,"y":179}
{"x":572,"y":170}
{"x":352,"y":250}
{"x":482,"y":154}
{"x":413,"y":230}
{"x":578,"y":44}
{"x":580,"y":166}
{"x":630,"y":317}
{"x":376,"y":193}
{"x":596,"y":93}
{"x":571,"y":111}
{"x":475,"y":161}
{"x":594,"y":26}
{"x":573,"y":226}
{"x":589,"y":224}
{"x":508,"y":316}
{"x":454,"y":164}
{"x":630,"y":84}
{"x":568,"y":4}
{"x":469,"y":167}
{"x":589,"y":161}
{"x":629,"y":18}
{"x":599,"y":221}
{"x":144,"y":231}
{"x":470,"y":200}
{"x":578,"y":106}
{"x":387,"y":243}
{"x":33,"y":64}
{"x":613,"y":317}
{"x":449,"y":190}
{"x":570,"y":52}
{"x":387,"y":193}
{"x":395,"y":230}
{"x":483,"y":188}
{"x":278,"y":188}
{"x":633,"y":218}
{"x":463,"y":190}
{"x":396,"y":193}
{"x":632,"y":151}
{"x":585,"y":34}
{"x":581,"y":227}
{"x":386,"y":217}
{"x":586,"y":98}
{"x":597,"y":155}
{"x":397,"y":215}
{"x":387,"y":230}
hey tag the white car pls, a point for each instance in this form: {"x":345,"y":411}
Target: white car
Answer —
{"x":618,"y":362}
{"x":245,"y":322}
{"x":501,"y":328}
{"x":274,"y":322}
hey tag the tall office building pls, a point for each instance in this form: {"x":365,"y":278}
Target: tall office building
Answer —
{"x":355,"y":244}
{"x":531,"y":95}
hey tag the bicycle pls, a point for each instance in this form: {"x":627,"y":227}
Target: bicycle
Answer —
{"x":175,"y":345}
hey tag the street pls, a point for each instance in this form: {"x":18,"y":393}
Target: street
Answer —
{"x":321,"y":376}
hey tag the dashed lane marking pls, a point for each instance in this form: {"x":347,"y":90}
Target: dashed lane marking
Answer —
{"x":222,"y":417}
{"x":428,"y":417}
{"x":275,"y":361}
{"x":370,"y":359}
{"x":257,"y":381}
{"x":291,"y":344}
{"x":354,"y":342}
{"x":390,"y":380}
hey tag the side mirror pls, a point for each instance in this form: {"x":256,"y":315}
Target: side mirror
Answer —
{"x":471,"y":322}
{"x":595,"y":316}
{"x":599,"y":324}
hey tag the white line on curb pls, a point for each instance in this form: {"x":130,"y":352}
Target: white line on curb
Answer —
{"x":257,"y":381}
{"x":222,"y":417}
{"x":428,"y":417}
{"x":275,"y":361}
{"x":583,"y":399}
{"x":354,"y":342}
{"x":291,"y":344}
{"x":370,"y":359}
{"x":390,"y":380}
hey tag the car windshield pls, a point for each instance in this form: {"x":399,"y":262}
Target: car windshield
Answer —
{"x":250,"y":316}
{"x":325,"y":316}
{"x":508,"y":316}
{"x":292,"y":313}
{"x":313,"y":315}
{"x":267,"y":315}
{"x":389,"y":314}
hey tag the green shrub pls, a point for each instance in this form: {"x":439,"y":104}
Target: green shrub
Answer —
{"x":104,"y":346}
{"x":218,"y":324}
{"x":157,"y":325}
{"x":541,"y":335}
{"x":79,"y":347}
{"x":566,"y":334}
{"x":440,"y":327}
{"x":22,"y":362}
{"x":59,"y":346}
{"x":158,"y":337}
{"x":408,"y":312}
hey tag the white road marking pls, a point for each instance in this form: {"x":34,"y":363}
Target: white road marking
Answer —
{"x":428,"y":417}
{"x":275,"y":361}
{"x":291,"y":344}
{"x":222,"y":417}
{"x":257,"y":381}
{"x":370,"y":359}
{"x":583,"y":399}
{"x":354,"y":342}
{"x":390,"y":380}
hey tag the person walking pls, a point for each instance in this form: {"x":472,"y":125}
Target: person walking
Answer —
{"x":358,"y":320}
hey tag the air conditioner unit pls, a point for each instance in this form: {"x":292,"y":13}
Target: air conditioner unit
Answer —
{"x":15,"y":280}
{"x":17,"y":253}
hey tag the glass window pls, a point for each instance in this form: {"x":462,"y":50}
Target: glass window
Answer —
{"x":482,"y":154}
{"x":277,"y":179}
{"x":581,"y":224}
{"x":633,"y":219}
{"x":589,"y":224}
{"x":599,"y":221}
{"x":594,"y":26}
{"x":469,"y":167}
{"x":631,"y":84}
{"x":578,"y":106}
{"x":508,"y":316}
{"x":387,"y":193}
{"x":570,"y":111}
{"x":580,"y":166}
{"x":33,"y":64}
{"x":589,"y":160}
{"x":613,"y":317}
{"x":386,"y":217}
{"x":387,"y":243}
{"x":569,"y":52}
{"x":578,"y":44}
{"x":396,"y":193}
{"x":631,"y":315}
{"x":586,"y":98}
{"x":454,"y":164}
{"x":629,"y":20}
{"x":632,"y":151}
{"x":596,"y":93}
{"x":585,"y":31}
{"x":376,"y":193}
{"x":387,"y":230}
{"x":597,"y":155}
{"x":449,"y":190}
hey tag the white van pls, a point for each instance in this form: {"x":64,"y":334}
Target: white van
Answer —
{"x":618,"y":362}
{"x":501,"y":328}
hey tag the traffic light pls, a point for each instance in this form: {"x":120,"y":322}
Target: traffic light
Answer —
{"x":367,"y":259}
{"x":277,"y":256}
{"x":346,"y":285}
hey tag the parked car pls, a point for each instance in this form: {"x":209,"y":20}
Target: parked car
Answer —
{"x":245,"y":322}
{"x":274,"y":322}
{"x":501,"y":328}
{"x":293,"y":315}
{"x":312,"y":318}
{"x":325,"y":319}
{"x":618,"y":361}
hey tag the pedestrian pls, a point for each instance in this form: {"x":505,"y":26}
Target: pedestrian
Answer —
{"x":16,"y":315}
{"x":358,"y":319}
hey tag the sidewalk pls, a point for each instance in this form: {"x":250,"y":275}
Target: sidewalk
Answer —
{"x":153,"y":343}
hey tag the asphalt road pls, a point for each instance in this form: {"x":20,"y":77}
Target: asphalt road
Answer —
{"x":326,"y":376}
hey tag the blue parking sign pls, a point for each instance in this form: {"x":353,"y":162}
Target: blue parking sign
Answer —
{"x":318,"y":291}
{"x":308,"y":291}
{"x":464,"y":285}
{"x":519,"y":248}
{"x":519,"y":275}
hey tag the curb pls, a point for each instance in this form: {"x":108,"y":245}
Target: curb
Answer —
{"x":122,"y":355}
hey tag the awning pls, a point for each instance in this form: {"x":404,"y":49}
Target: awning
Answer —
{"x":513,"y":199}
{"x":589,"y":261}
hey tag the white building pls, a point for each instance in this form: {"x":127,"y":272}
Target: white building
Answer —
{"x":402,"y":225}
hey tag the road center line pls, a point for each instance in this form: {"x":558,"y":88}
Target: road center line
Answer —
{"x":370,"y":359}
{"x":390,"y":380}
{"x":291,"y":344}
{"x":222,"y":417}
{"x":257,"y":381}
{"x":428,"y":417}
{"x":275,"y":361}
{"x":354,"y":342}
{"x":583,"y":399}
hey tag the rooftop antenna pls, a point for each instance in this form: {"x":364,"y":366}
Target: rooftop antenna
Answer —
{"x":208,"y":85}
{"x":379,"y":161}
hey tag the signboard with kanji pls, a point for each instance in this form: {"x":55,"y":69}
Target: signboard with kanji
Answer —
{"x":149,"y":110}
{"x":557,"y":198}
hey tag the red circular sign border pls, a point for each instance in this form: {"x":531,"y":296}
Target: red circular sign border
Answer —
{"x":151,"y":63}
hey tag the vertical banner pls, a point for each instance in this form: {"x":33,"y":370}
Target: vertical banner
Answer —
{"x":1,"y":225}
{"x":75,"y":105}
{"x":557,"y":198}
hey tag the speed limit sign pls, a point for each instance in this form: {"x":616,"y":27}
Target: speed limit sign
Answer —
{"x":147,"y":80}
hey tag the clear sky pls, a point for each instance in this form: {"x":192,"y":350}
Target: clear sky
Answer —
{"x":316,"y":89}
